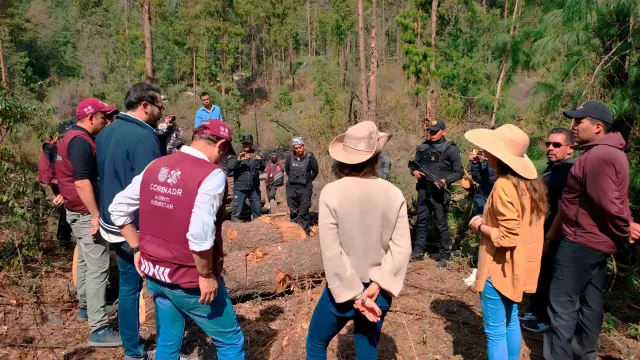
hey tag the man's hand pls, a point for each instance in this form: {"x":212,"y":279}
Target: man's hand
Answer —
{"x":138,"y":263}
{"x":242,"y":156}
{"x":58,"y":200}
{"x":438,"y":184}
{"x":474,"y":158}
{"x":208,"y":289}
{"x":635,"y":232}
{"x":417,"y":174}
{"x":95,"y":224}
{"x":258,"y":157}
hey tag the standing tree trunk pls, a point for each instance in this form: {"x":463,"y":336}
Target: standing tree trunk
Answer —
{"x":148,"y":49}
{"x":195,"y":88}
{"x":253,"y":52}
{"x":398,"y":50}
{"x":374,"y":65}
{"x":484,"y":6}
{"x":432,"y":94}
{"x":363,"y":66}
{"x":4,"y":75}
{"x":347,"y":51}
{"x":506,"y":8}
{"x":309,"y":25}
{"x":503,"y":68}
{"x":126,"y":37}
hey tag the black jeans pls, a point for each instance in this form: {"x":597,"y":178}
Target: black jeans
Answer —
{"x":299,"y":202}
{"x":576,"y":302}
{"x":64,"y":229}
{"x":438,"y":203}
{"x":540,"y":300}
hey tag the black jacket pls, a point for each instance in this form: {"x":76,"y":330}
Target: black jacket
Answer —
{"x":555,"y":178}
{"x":451,"y":169}
{"x":246,"y":172}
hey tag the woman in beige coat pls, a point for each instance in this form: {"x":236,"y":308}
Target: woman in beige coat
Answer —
{"x":365,"y":244}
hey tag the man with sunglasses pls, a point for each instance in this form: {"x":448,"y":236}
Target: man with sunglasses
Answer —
{"x":559,"y":147}
{"x":124,"y":149}
{"x":442,"y":159}
{"x":593,"y":220}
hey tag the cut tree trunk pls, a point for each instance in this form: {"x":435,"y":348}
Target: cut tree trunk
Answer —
{"x":148,"y":48}
{"x":273,"y":269}
{"x":432,"y":95}
{"x":309,"y":26}
{"x":246,"y":236}
{"x":4,"y":75}
{"x":374,"y":65}
{"x":363,"y":66}
{"x":503,"y":67}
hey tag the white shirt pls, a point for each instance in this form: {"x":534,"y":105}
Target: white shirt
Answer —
{"x":202,"y":227}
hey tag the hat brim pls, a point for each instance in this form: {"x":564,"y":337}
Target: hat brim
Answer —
{"x":485,"y":139}
{"x":346,"y":155}
{"x":108,"y":109}
{"x":574,"y":114}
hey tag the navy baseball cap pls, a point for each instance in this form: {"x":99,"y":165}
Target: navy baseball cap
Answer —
{"x":437,"y":125}
{"x":591,"y":109}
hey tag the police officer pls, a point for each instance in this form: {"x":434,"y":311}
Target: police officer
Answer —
{"x":301,"y":168}
{"x":245,"y":170}
{"x":442,"y":159}
{"x":180,"y":201}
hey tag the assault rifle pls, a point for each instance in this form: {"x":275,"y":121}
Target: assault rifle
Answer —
{"x":414,"y":164}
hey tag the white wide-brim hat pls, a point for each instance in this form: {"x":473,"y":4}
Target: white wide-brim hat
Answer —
{"x":359,"y":144}
{"x":509,"y":144}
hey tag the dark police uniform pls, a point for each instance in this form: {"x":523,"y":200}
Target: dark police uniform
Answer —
{"x":300,"y":176}
{"x":442,"y":160}
{"x":246,"y":183}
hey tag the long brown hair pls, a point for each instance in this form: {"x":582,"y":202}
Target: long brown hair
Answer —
{"x":367,"y":168}
{"x":535,"y":188}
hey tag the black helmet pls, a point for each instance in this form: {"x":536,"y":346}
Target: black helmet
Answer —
{"x":246,"y":139}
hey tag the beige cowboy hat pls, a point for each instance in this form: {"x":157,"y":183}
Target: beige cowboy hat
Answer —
{"x":509,"y":144}
{"x":359,"y":144}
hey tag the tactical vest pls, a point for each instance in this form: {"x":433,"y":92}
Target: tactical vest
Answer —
{"x":431,"y":158}
{"x":64,"y":171}
{"x":298,"y":169}
{"x":167,"y":194}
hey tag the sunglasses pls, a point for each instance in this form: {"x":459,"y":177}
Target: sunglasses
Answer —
{"x":556,"y":144}
{"x":160,"y":107}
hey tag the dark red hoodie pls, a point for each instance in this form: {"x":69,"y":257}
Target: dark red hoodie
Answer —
{"x":595,"y":204}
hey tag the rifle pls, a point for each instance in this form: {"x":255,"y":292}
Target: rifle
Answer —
{"x":428,"y":175}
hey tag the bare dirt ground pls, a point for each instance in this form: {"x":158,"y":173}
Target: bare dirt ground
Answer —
{"x":435,"y":317}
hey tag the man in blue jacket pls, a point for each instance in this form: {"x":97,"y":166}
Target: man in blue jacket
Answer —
{"x":124,"y":149}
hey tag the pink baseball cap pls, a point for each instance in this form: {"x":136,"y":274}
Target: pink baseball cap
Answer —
{"x":219,"y":129}
{"x":215,"y":128}
{"x":91,"y":106}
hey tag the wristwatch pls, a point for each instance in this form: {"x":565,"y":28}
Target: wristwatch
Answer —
{"x":135,"y":250}
{"x":479,"y":227}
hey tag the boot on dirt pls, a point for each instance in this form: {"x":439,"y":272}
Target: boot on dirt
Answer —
{"x":83,"y":316}
{"x":105,"y":337}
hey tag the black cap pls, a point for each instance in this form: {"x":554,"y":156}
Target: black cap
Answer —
{"x":64,"y":126}
{"x":592,"y":109}
{"x":273,"y":154}
{"x":246,"y":139}
{"x":437,"y":125}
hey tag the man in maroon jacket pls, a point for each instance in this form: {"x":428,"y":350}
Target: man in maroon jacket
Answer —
{"x":593,"y":217}
{"x":180,"y":201}
{"x":77,"y":176}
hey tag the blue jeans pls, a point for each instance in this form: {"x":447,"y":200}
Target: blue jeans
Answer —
{"x":239,"y":198}
{"x":501,"y":324}
{"x":330,"y":317}
{"x":174,"y":305}
{"x":129,"y":302}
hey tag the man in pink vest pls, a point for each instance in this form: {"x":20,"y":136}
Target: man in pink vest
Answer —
{"x":180,"y":198}
{"x":77,"y":176}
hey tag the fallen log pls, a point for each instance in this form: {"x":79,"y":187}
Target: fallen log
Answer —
{"x":243,"y":236}
{"x":273,"y":269}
